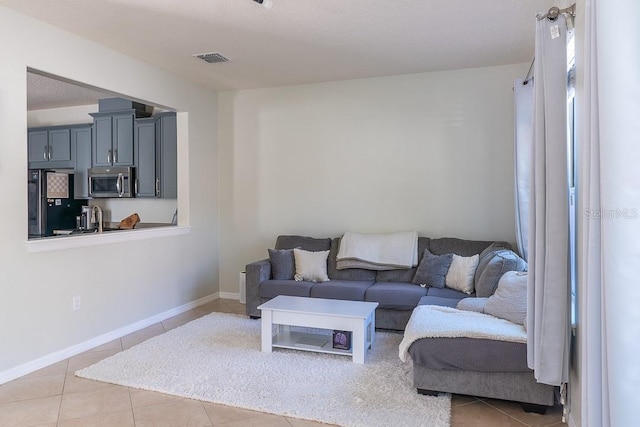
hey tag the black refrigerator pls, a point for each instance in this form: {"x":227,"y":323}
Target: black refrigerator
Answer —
{"x":51,"y":203}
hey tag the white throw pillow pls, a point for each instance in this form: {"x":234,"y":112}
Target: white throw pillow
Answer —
{"x":510,"y":299}
{"x":461,"y":273}
{"x":311,"y":266}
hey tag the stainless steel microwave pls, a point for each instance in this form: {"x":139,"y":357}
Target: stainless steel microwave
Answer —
{"x":111,"y":182}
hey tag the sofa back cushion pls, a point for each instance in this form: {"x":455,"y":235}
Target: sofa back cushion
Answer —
{"x":303,"y":242}
{"x":349,"y":273}
{"x":487,"y":254}
{"x":461,"y":247}
{"x":404,"y":275}
{"x":501,"y":262}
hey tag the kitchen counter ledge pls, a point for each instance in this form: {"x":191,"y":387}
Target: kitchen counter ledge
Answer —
{"x":71,"y":241}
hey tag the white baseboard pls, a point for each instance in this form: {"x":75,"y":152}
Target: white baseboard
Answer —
{"x":229,"y":295}
{"x":68,"y":352}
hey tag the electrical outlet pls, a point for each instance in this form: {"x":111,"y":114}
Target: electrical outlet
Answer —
{"x":76,"y":302}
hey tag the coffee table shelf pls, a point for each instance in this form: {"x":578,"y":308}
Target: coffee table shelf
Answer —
{"x":303,"y":341}
{"x":285,"y":311}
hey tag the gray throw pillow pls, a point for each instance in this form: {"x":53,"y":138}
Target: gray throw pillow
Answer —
{"x":485,"y":257}
{"x":501,"y":262}
{"x":283,"y":264}
{"x":432,"y":270}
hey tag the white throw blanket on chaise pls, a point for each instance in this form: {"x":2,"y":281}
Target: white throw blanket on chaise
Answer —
{"x":378,"y":251}
{"x":433,"y":321}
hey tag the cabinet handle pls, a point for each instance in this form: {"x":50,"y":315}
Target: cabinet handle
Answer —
{"x":49,"y":152}
{"x":44,"y":153}
{"x":115,"y":156}
{"x":109,"y":156}
{"x":135,"y":187}
{"x":157,"y":186}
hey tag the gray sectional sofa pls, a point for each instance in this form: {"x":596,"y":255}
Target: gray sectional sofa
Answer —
{"x":393,"y":290}
{"x":477,"y":367}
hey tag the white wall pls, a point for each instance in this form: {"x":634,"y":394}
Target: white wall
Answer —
{"x":120,"y":283}
{"x":430,"y":152}
{"x":61,"y":116}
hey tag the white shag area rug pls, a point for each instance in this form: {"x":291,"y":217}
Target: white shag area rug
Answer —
{"x":217,"y":358}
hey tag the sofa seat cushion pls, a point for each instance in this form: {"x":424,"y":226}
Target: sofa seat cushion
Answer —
{"x":273,"y":288}
{"x":395,"y":296}
{"x":352,"y":290}
{"x":445,"y":302}
{"x":470,"y":354}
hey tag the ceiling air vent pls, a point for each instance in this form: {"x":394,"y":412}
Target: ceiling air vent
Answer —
{"x":212,"y":58}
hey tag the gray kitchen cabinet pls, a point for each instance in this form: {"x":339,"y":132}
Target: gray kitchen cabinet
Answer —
{"x":112,"y":142}
{"x":50,"y":147}
{"x":155,"y":149}
{"x":145,"y":157}
{"x":81,"y":140}
{"x":166,"y":156}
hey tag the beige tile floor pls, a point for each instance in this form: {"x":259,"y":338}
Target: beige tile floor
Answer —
{"x":53,"y":396}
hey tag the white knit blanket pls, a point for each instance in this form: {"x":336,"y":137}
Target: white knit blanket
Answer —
{"x":378,"y":251}
{"x":432,"y":321}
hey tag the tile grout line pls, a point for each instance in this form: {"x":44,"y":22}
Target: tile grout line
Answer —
{"x":64,"y":383}
{"x":508,"y":415}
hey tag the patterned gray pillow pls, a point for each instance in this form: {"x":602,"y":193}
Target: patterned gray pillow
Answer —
{"x":432,"y":270}
{"x":283,"y":265}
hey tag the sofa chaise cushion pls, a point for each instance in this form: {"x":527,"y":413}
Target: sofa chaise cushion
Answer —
{"x":470,"y":354}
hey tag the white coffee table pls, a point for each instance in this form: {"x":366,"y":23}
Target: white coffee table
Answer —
{"x":359,"y":317}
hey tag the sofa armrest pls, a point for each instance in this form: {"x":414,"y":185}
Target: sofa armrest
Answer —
{"x":256,"y":273}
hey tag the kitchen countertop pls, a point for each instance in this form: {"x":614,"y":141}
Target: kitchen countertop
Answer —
{"x":108,"y":227}
{"x":56,"y":243}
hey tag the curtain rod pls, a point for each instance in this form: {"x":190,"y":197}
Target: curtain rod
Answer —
{"x":555,"y":11}
{"x":551,"y":15}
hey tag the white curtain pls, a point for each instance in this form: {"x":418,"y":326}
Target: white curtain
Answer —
{"x":608,"y":230}
{"x":523,"y":94}
{"x":548,"y":248}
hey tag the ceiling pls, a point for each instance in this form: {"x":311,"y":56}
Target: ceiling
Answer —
{"x":298,"y":41}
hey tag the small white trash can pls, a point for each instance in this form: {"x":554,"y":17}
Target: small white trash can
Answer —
{"x":243,"y":289}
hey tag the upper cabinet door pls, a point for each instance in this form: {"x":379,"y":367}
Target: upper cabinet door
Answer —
{"x":123,"y":139}
{"x":101,"y":141}
{"x":145,"y":155}
{"x":60,"y":145}
{"x":167,"y":156}
{"x":38,"y":146}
